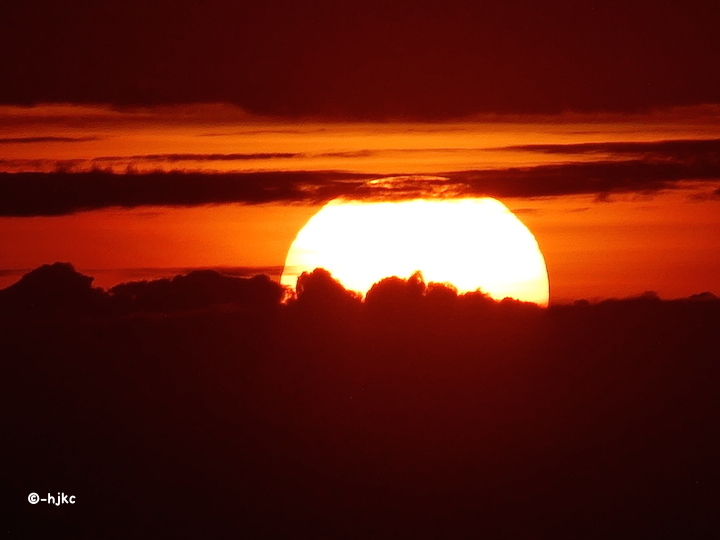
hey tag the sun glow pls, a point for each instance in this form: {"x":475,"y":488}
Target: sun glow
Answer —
{"x":474,"y":243}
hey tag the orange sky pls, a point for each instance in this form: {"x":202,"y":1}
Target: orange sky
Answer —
{"x":667,"y":241}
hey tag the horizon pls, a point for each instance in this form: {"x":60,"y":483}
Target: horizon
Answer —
{"x":113,"y":279}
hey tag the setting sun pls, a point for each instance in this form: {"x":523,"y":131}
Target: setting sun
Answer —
{"x":474,"y":243}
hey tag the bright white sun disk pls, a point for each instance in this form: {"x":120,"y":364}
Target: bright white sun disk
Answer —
{"x":471,"y":243}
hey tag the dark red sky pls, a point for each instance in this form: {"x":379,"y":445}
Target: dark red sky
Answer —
{"x":364,"y":59}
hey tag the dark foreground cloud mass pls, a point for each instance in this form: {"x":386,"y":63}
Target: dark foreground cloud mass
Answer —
{"x":417,"y":413}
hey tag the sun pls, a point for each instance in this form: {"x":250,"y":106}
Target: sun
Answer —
{"x":472,"y":243}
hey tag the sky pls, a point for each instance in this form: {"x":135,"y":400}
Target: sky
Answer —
{"x":369,"y":60}
{"x":149,"y":138}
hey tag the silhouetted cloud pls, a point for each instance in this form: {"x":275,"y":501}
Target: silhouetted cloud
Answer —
{"x":160,"y":158}
{"x":52,"y":289}
{"x":118,"y":162}
{"x":279,"y":131}
{"x":28,"y":194}
{"x":195,"y":290}
{"x":58,"y":288}
{"x":31,"y":140}
{"x":599,"y":178}
{"x":199,"y":157}
{"x":394,"y":293}
{"x":317,"y":294}
{"x":676,"y":150}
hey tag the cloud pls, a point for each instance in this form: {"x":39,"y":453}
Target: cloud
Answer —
{"x":350,"y":154}
{"x":318,"y":293}
{"x":34,"y":194}
{"x":32,"y":140}
{"x":676,"y":150}
{"x":196,"y":290}
{"x":119,"y":162}
{"x":199,"y":157}
{"x":600,"y":178}
{"x":56,"y":289}
{"x":597,"y":178}
{"x":663,"y":166}
{"x":52,"y":289}
{"x":520,"y":211}
{"x":355,"y":61}
{"x":705,"y":195}
{"x":90,"y":116}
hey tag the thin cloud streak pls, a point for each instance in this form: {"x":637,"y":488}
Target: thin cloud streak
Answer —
{"x":686,"y":151}
{"x":35,"y":140}
{"x":200,"y":157}
{"x":668,"y":149}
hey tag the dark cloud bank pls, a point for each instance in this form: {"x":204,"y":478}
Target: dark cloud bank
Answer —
{"x":31,"y":194}
{"x":627,"y":168}
{"x":640,"y":167}
{"x":202,"y":406}
{"x":370,"y":60}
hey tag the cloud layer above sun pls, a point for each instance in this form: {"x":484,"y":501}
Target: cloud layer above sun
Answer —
{"x":68,"y":158}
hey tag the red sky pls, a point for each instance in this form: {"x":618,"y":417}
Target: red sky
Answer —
{"x":604,"y":232}
{"x":597,"y":122}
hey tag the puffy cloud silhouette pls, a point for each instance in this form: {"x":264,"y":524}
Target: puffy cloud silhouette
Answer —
{"x":198,"y":289}
{"x":394,"y":293}
{"x":52,"y":289}
{"x":319,"y":295}
{"x":59,"y":289}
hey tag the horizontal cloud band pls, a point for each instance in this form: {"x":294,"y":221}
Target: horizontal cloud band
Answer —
{"x":58,"y":193}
